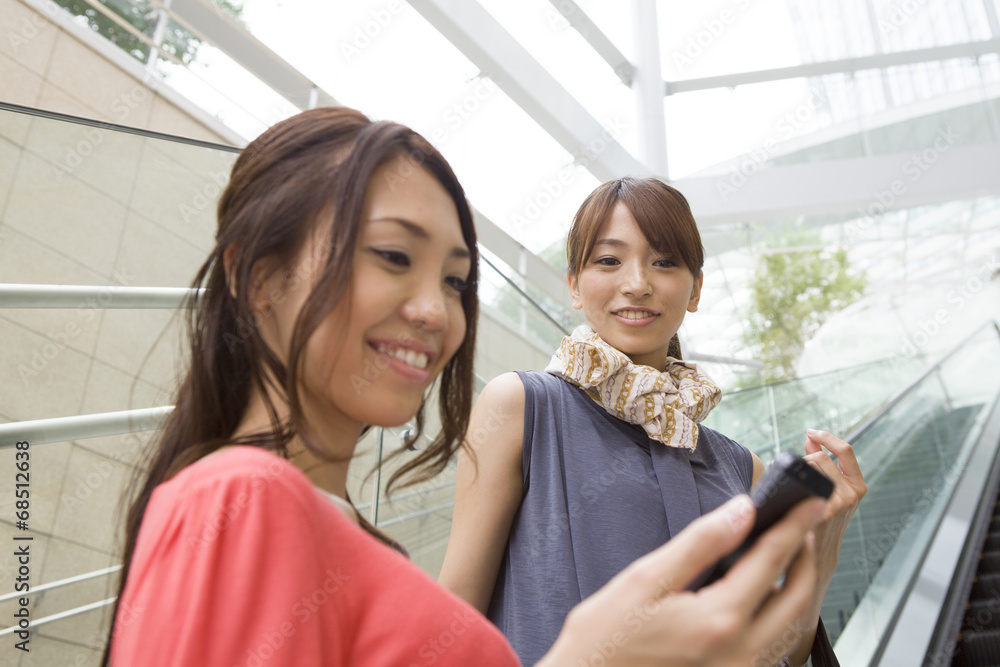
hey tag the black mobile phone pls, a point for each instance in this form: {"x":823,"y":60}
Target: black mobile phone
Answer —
{"x":788,"y":481}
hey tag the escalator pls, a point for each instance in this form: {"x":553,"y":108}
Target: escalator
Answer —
{"x":977,"y":642}
{"x":918,"y":581}
{"x":897,"y":495}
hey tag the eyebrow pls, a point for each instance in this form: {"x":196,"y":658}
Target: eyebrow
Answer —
{"x":421,"y":233}
{"x":618,"y":243}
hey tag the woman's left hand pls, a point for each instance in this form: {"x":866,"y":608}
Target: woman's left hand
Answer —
{"x":848,"y":489}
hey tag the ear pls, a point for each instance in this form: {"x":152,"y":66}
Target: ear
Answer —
{"x":257,"y":279}
{"x":574,"y":291}
{"x":227,"y":264}
{"x":695,"y":294}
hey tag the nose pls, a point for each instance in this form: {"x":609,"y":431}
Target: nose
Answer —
{"x":425,"y":308}
{"x":635,"y":280}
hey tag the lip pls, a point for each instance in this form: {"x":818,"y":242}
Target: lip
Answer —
{"x":640,"y":322}
{"x":408,"y":372}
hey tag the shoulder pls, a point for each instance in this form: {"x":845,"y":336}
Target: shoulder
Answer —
{"x":721,"y":448}
{"x":718,"y":440}
{"x":506,"y":389}
{"x":235,"y":481}
{"x":241,"y":466}
{"x":499,"y":411}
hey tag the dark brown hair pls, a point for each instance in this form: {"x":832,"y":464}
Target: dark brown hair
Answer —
{"x":309,"y":168}
{"x":664,"y":218}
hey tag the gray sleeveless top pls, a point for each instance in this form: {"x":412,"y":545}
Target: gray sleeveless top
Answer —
{"x":598,"y":493}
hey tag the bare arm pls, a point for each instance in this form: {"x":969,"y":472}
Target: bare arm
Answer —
{"x":758,"y":470}
{"x":488,"y":490}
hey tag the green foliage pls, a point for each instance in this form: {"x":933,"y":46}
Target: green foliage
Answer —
{"x":142,"y":15}
{"x":794,"y":293}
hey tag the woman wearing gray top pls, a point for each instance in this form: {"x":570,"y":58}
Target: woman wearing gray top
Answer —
{"x":575,"y":472}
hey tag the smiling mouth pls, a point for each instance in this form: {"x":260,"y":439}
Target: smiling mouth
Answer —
{"x":409,"y":357}
{"x":634,"y":314}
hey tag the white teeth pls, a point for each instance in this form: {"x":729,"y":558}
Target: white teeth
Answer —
{"x":634,"y":314}
{"x":415,"y":359}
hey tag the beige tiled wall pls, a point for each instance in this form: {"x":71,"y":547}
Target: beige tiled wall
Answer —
{"x":87,"y":206}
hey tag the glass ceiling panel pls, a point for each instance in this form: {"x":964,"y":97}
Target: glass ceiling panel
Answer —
{"x":720,"y":37}
{"x":386,"y":60}
{"x":408,"y":72}
{"x":913,"y":258}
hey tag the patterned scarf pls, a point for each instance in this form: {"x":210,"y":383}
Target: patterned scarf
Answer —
{"x":668,"y":405}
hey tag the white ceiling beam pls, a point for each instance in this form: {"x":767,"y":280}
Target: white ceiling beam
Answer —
{"x":857,"y":185}
{"x":605,"y":48}
{"x":845,"y":65}
{"x":216,"y":27}
{"x":652,"y":120}
{"x":533,"y":268}
{"x":474,"y":32}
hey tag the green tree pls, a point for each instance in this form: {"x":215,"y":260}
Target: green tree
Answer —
{"x":143,"y":16}
{"x":794,"y":293}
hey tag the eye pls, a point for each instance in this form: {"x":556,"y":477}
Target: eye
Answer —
{"x":394,"y":257}
{"x":664,"y":263}
{"x":457,"y":283}
{"x":607,"y":261}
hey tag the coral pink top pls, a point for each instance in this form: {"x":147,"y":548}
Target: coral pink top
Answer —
{"x":242,"y":562}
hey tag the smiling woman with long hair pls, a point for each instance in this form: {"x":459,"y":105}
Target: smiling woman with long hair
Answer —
{"x":346,"y":245}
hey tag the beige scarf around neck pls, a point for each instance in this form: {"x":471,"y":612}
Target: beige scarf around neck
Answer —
{"x":667,"y":404}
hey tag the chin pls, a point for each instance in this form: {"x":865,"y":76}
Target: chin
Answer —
{"x":389,"y":411}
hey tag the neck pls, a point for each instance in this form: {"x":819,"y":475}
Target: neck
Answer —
{"x":335,"y":435}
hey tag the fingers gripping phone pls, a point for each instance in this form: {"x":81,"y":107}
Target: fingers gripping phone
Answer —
{"x":788,"y":481}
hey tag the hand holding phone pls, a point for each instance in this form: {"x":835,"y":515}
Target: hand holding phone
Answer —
{"x":788,"y":481}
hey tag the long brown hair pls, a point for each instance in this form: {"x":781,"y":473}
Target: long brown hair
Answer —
{"x":664,"y":218}
{"x":308,"y":168}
